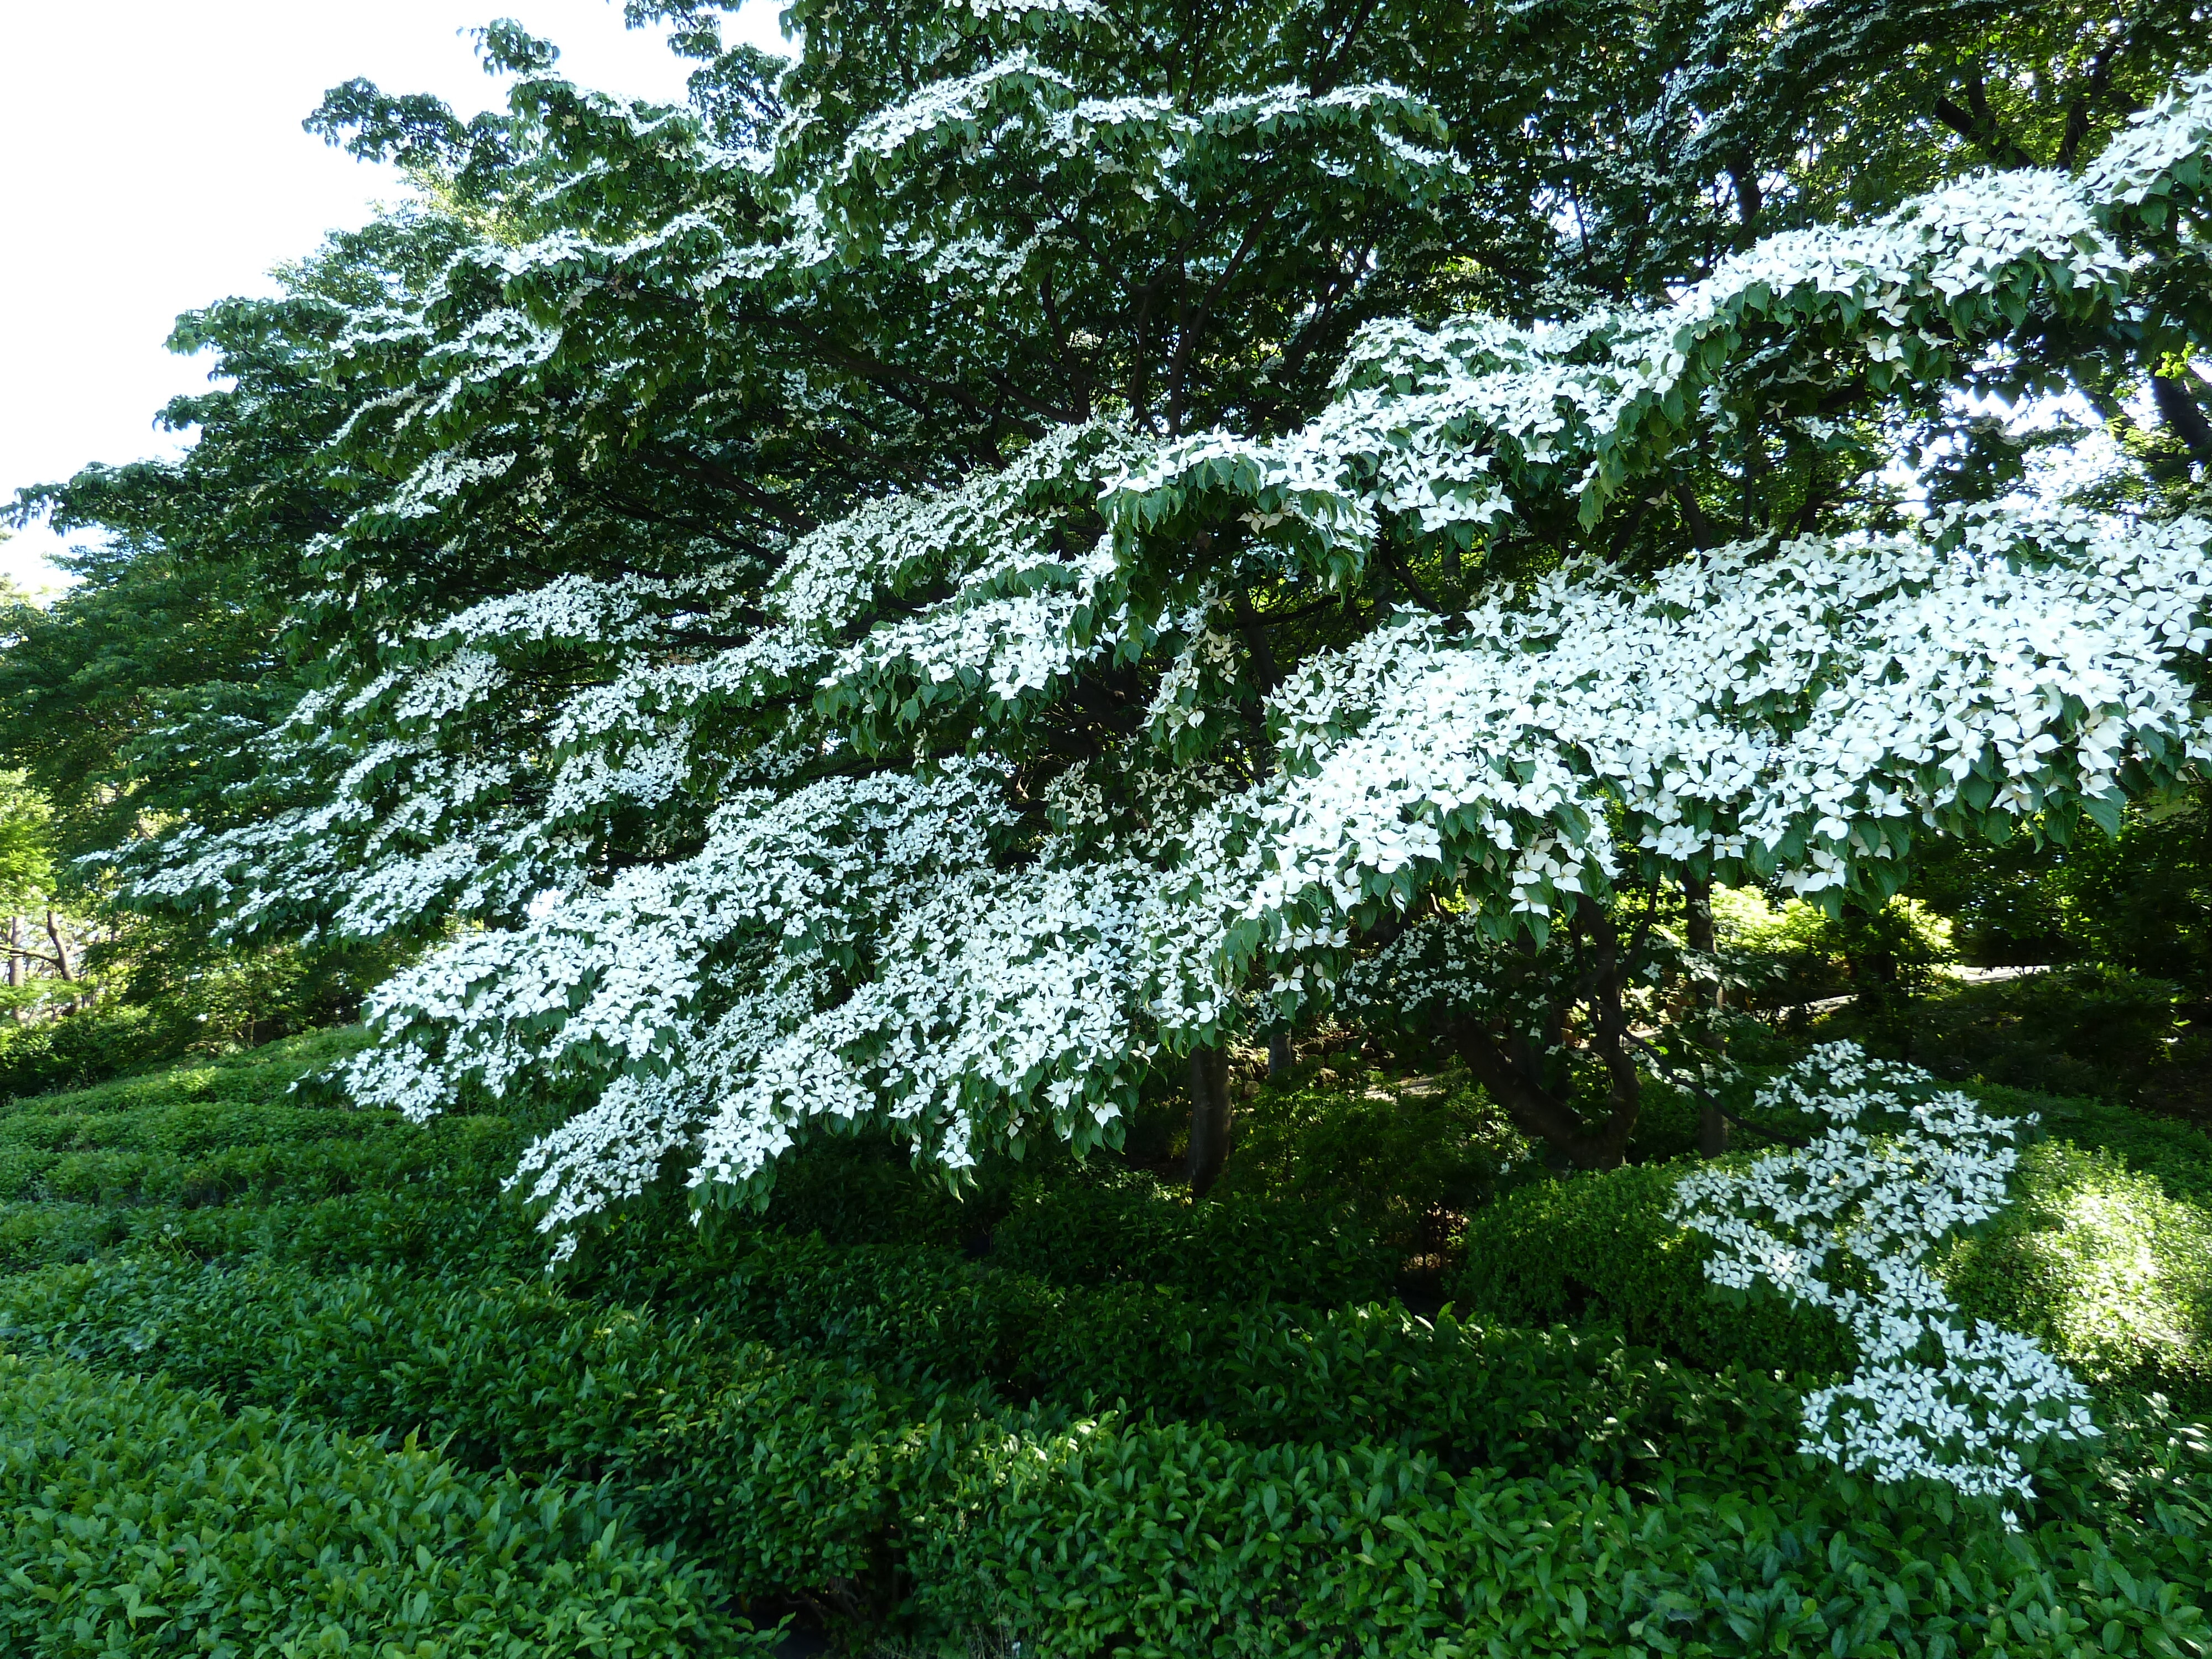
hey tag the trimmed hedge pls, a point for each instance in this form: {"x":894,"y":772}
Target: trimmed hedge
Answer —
{"x":1600,"y":1249}
{"x":2103,"y":1263}
{"x":1127,"y":1229}
{"x":931,"y":1444}
{"x":2099,"y":1261}
{"x":1153,"y":1541}
{"x":2178,"y":1157}
{"x":928,"y":1320}
{"x":263,"y":1075}
{"x":1083,"y":1535}
{"x":194,"y":1156}
{"x":417,"y":1227}
{"x":140,"y":1519}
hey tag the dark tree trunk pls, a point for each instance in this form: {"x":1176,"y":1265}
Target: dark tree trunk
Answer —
{"x":1697,"y":907}
{"x":2183,"y":416}
{"x":1209,"y":1118}
{"x":1697,"y":902}
{"x":1280,"y":1057}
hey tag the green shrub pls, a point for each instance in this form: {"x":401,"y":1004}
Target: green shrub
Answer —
{"x":929,"y":1322}
{"x":2080,"y":1030}
{"x":1122,"y":1228}
{"x":1601,"y":1249}
{"x":1405,"y":1155}
{"x":417,"y":1225}
{"x":339,"y":1152}
{"x":1075,"y":1440}
{"x":2178,"y":1157}
{"x":505,"y":1375}
{"x":946,"y":1511}
{"x":2113,"y":1274}
{"x":494,"y":1369}
{"x":2103,"y":1264}
{"x":262,"y":1075}
{"x":1145,"y":1540}
{"x":139,"y":1518}
{"x":865,"y":1189}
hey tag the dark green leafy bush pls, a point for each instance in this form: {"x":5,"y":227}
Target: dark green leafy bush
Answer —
{"x":1156,"y":1540}
{"x":807,"y":1476}
{"x":2178,"y":1156}
{"x":1075,"y":1440}
{"x":2107,"y":1266}
{"x":139,"y":1518}
{"x":1407,"y":1155}
{"x":1600,"y":1249}
{"x":2079,"y":1031}
{"x":416,"y":1225}
{"x":262,"y":1075}
{"x":1127,"y":1228}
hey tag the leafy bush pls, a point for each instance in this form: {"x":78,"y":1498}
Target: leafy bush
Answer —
{"x":1406,"y":1156}
{"x":324,"y":1154}
{"x":417,"y":1225}
{"x":262,"y":1076}
{"x":2102,"y":1265}
{"x":1139,"y":1539}
{"x":902,"y":1435}
{"x":1602,"y":1249}
{"x":169,"y":994}
{"x":1802,"y":953}
{"x":856,"y":1190}
{"x":1129,"y":1229}
{"x":2137,"y":901}
{"x":805,"y":1475}
{"x":2081,"y":1031}
{"x":141,"y":1519}
{"x":2109,"y":1267}
{"x":2178,"y":1156}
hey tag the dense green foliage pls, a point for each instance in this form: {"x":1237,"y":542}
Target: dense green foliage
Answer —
{"x":145,"y":1519}
{"x":2104,"y":1254}
{"x":1109,"y":1431}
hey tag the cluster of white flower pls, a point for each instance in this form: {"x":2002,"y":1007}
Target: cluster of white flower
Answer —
{"x":1796,"y":711}
{"x":1848,"y":1224}
{"x":1450,"y":426}
{"x":2162,"y":147}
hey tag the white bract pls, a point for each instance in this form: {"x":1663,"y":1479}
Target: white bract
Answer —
{"x":1848,"y":1224}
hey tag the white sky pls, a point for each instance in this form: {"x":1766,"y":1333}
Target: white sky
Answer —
{"x":151,"y":160}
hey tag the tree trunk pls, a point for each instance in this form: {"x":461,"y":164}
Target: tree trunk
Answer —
{"x":2183,"y":416}
{"x":1542,"y":1115}
{"x":1209,"y":1118}
{"x":18,"y":967}
{"x":61,"y":949}
{"x":1512,"y":1067}
{"x":1280,"y":1056}
{"x":1697,"y":906}
{"x":1697,"y":902}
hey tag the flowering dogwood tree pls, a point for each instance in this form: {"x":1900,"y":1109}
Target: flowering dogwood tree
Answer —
{"x":922,"y":609}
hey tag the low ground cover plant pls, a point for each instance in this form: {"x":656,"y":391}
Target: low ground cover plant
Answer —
{"x":1073,"y":1417}
{"x":141,"y":1517}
